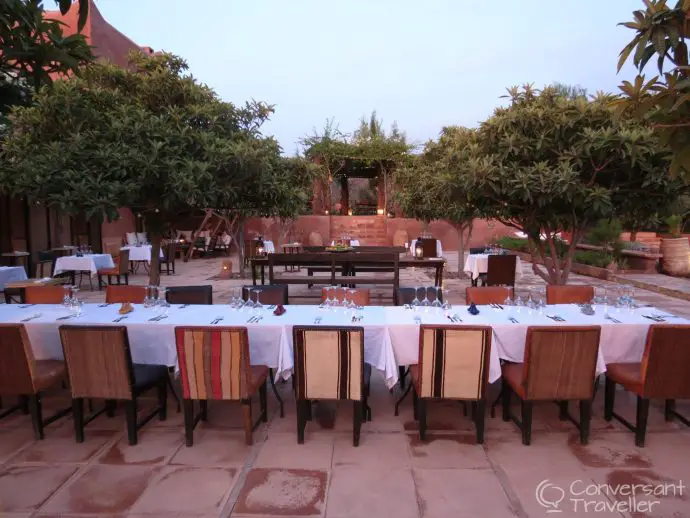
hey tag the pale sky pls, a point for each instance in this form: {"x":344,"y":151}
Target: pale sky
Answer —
{"x":424,"y":64}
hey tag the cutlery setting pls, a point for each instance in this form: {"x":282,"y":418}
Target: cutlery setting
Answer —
{"x":317,"y":320}
{"x":120,"y":319}
{"x":513,"y":320}
{"x":104,"y":305}
{"x":454,"y":318}
{"x":496,"y":306}
{"x":254,"y":320}
{"x":66,"y":317}
{"x":24,"y":306}
{"x":556,"y":318}
{"x":27,"y":319}
{"x":612,"y":319}
{"x":356,"y":318}
{"x":158,"y":318}
{"x":655,"y":318}
{"x":216,"y":320}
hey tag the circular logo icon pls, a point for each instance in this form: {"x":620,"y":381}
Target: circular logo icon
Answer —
{"x":549,"y":496}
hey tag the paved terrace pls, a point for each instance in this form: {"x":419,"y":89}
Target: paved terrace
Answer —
{"x":391,"y":474}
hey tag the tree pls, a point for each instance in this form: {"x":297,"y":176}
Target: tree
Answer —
{"x":149,"y":138}
{"x":561,"y":164}
{"x":663,"y":100}
{"x":438,"y":184}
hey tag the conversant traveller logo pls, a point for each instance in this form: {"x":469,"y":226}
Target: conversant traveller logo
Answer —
{"x":582,"y":496}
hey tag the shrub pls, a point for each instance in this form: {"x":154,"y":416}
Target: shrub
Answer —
{"x":598,"y":258}
{"x":514,"y":243}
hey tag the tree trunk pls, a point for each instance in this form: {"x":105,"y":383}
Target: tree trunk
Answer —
{"x":462,"y":243}
{"x":240,"y":246}
{"x":557,"y":269}
{"x":154,"y":268}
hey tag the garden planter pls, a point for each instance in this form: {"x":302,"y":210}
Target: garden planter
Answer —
{"x":675,"y":252}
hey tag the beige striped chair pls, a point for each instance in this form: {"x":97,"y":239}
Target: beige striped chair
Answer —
{"x":329,"y":365}
{"x":214,"y":365}
{"x":453,"y":364}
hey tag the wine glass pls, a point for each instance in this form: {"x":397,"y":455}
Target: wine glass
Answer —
{"x":67,"y":295}
{"x":329,"y":297}
{"x":163,"y":301}
{"x":258,"y":306}
{"x":437,"y":299}
{"x":343,"y":297}
{"x":352,"y":304}
{"x":426,"y":302}
{"x":416,"y":302}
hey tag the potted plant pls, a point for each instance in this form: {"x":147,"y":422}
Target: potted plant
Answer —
{"x":675,"y":249}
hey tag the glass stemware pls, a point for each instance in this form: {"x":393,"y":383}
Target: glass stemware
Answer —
{"x":436,"y":303}
{"x":426,"y":303}
{"x":416,"y":302}
{"x":258,"y":306}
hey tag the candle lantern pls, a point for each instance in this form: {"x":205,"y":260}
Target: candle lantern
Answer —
{"x":226,"y":269}
{"x":418,"y":251}
{"x":260,"y":250}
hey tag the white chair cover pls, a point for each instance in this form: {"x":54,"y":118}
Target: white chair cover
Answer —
{"x":131,"y":238}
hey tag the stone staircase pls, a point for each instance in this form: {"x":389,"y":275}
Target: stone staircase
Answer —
{"x":370,"y":230}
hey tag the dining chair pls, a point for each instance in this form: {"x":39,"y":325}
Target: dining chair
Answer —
{"x":168,"y":259}
{"x":361,"y":296}
{"x":53,"y":294}
{"x":429,"y":248}
{"x":488,"y":295}
{"x":45,"y":264}
{"x":406,"y":295}
{"x":250,"y":250}
{"x":23,"y":376}
{"x":453,"y":364}
{"x":569,"y":294}
{"x":269,"y":294}
{"x":559,"y":365}
{"x":329,"y":365}
{"x":214,"y":365}
{"x":662,"y":374}
{"x":500,"y":270}
{"x":115,"y":294}
{"x":99,"y":366}
{"x":119,"y":271}
{"x":189,"y":294}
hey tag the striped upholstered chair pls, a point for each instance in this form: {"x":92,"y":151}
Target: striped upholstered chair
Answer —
{"x":24,"y":376}
{"x":569,"y":294}
{"x":662,"y":374}
{"x":329,"y":365}
{"x":99,"y":365}
{"x":560,"y":365}
{"x":453,"y":364}
{"x":214,"y":365}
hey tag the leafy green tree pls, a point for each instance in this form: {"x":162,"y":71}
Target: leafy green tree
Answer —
{"x":561,"y":164}
{"x":664,"y":100}
{"x":439,"y":185}
{"x":149,"y":138}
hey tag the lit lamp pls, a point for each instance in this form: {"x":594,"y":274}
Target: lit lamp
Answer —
{"x":325,"y":212}
{"x":226,"y":269}
{"x":349,"y":212}
{"x":260,"y":250}
{"x":380,"y":212}
{"x":418,"y":251}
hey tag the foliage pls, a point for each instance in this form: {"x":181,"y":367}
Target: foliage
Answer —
{"x":663,"y":100}
{"x":66,"y":5}
{"x":514,"y":243}
{"x":607,"y":233}
{"x":674,"y":224}
{"x":152,"y":139}
{"x":33,"y":49}
{"x":598,"y":258}
{"x":563,"y":163}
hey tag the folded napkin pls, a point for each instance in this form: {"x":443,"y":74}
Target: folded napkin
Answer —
{"x":280,"y":310}
{"x":125,"y":308}
{"x":473,"y":310}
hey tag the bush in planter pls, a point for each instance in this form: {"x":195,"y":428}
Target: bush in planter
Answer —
{"x":607,"y":233}
{"x":674,"y":223}
{"x":513,"y":243}
{"x":598,"y":258}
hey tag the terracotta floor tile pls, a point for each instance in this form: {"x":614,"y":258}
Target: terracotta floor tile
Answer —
{"x":380,"y":491}
{"x":547,"y":454}
{"x":220,"y":448}
{"x":282,"y":492}
{"x":13,"y":440}
{"x":25,"y":488}
{"x":102,"y":489}
{"x":187,"y":491}
{"x":461,"y":492}
{"x":447,"y":451}
{"x":374,"y":449}
{"x":153,"y":447}
{"x":63,"y":447}
{"x":280,"y":450}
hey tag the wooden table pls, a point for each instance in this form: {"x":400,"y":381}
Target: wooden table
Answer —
{"x":17,"y":258}
{"x":18,"y":288}
{"x":64,"y":250}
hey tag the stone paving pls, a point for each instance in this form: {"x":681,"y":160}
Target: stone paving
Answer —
{"x":392,"y":473}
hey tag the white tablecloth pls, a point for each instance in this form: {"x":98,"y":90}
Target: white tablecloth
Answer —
{"x":270,"y":341}
{"x":439,"y":248}
{"x":269,"y":247}
{"x":476,"y":264}
{"x":87,"y":263}
{"x":353,"y":242}
{"x":10,"y":274}
{"x":622,"y":342}
{"x":140,"y":253}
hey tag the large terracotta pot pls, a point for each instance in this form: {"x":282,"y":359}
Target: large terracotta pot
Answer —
{"x":676,"y":252}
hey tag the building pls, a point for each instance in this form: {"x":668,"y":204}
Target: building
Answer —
{"x":34,"y":228}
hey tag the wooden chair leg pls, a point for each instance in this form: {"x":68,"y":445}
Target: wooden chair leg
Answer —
{"x":24,"y":404}
{"x":78,"y":416}
{"x":263,"y":402}
{"x":131,"y":415}
{"x":401,"y":376}
{"x":415,"y":399}
{"x":479,"y":418}
{"x":609,"y":398}
{"x":36,"y":415}
{"x":421,"y":413}
{"x":204,"y":409}
{"x":110,"y":405}
{"x":669,"y":408}
{"x":357,"y":422}
{"x":505,"y":399}
{"x":188,"y":405}
{"x":563,"y":410}
{"x":641,"y":423}
{"x":247,"y":413}
{"x":271,"y":377}
{"x":163,"y":399}
{"x":301,"y":421}
{"x":526,"y":422}
{"x":585,"y":420}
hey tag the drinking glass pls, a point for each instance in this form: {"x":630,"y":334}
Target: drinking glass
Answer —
{"x":67,"y":295}
{"x":437,"y":300}
{"x":416,"y":302}
{"x":164,"y":307}
{"x":258,"y":306}
{"x":426,"y":302}
{"x":352,"y":304}
{"x":330,"y":297}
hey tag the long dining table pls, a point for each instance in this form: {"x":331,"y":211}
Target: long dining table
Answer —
{"x":391,"y":334}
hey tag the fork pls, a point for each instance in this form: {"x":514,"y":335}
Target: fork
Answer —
{"x":655,"y":319}
{"x":120,"y":319}
{"x":614,"y":320}
{"x":216,"y":320}
{"x":66,"y":317}
{"x":513,"y":320}
{"x":104,"y":305}
{"x":30,"y":318}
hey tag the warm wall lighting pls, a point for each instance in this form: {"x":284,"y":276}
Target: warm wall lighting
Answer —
{"x":349,"y":212}
{"x":418,"y":251}
{"x":325,"y":212}
{"x":380,"y":212}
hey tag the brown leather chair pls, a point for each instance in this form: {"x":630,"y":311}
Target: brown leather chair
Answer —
{"x":189,"y":294}
{"x":24,"y":376}
{"x":119,"y":271}
{"x":203,"y":381}
{"x":500,"y":270}
{"x":361,"y":295}
{"x":569,"y":294}
{"x":44,"y":294}
{"x":120,"y":294}
{"x":168,"y":259}
{"x":560,"y":365}
{"x":488,"y":295}
{"x":324,"y":355}
{"x":269,"y":294}
{"x":99,"y":364}
{"x":456,"y":369}
{"x":662,"y":374}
